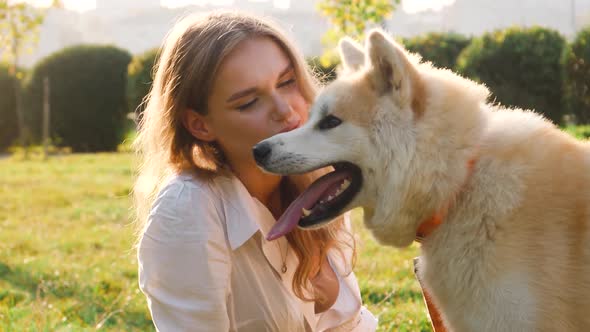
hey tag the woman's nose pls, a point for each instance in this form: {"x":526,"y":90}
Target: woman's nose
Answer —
{"x":281,"y":110}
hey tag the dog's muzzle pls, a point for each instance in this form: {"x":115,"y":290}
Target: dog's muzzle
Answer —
{"x":261,"y":152}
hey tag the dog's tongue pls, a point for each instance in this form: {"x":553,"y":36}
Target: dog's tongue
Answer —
{"x":306,"y":200}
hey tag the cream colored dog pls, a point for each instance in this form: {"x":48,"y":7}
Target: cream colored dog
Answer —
{"x":501,"y":197}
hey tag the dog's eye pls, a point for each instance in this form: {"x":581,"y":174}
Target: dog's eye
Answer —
{"x":329,"y":122}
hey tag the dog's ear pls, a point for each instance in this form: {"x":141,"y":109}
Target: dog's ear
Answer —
{"x":391,"y":71}
{"x":351,"y":54}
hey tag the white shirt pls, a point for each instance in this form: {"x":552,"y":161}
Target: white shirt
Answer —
{"x":205,"y":265}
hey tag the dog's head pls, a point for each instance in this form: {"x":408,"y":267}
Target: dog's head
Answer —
{"x":367,"y":125}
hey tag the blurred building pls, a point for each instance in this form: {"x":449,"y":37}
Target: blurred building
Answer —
{"x":474,"y":17}
{"x":126,"y":4}
{"x":139,"y":25}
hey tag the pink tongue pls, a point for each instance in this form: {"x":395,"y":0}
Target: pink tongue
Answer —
{"x":306,"y":200}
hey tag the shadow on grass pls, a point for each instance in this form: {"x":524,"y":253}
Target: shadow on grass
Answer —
{"x":25,"y":285}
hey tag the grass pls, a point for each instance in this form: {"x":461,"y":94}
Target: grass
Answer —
{"x":66,"y":262}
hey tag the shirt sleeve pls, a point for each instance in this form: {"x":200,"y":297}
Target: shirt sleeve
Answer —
{"x":353,"y":318}
{"x":184,"y":262}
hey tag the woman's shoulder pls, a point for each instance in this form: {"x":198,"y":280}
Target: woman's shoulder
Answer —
{"x":186,"y":207}
{"x":183,"y":189}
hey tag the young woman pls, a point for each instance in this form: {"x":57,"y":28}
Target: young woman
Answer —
{"x":224,"y":82}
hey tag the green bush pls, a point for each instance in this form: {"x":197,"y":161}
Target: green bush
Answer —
{"x":87,"y":97}
{"x":580,"y":132}
{"x":576,"y":64}
{"x":8,"y":118}
{"x":522,"y":68}
{"x":140,"y":71}
{"x":442,"y":49}
{"x":324,"y":73}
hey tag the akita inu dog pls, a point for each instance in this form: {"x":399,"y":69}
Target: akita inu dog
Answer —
{"x":500,"y":197}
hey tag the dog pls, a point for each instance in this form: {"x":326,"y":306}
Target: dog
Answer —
{"x":499,"y":198}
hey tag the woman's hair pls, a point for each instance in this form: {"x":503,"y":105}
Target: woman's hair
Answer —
{"x":185,"y":72}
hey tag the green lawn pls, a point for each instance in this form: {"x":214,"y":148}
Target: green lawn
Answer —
{"x":67,"y":264}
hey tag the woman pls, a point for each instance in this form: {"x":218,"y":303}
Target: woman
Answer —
{"x":224,"y":82}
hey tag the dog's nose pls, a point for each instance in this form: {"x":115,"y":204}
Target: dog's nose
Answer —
{"x":261,"y":152}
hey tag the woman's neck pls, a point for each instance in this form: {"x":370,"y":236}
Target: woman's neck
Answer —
{"x":263,"y":186}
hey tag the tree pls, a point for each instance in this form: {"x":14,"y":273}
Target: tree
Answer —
{"x":351,"y":18}
{"x":19,"y":28}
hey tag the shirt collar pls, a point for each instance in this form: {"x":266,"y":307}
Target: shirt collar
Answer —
{"x":245,"y":215}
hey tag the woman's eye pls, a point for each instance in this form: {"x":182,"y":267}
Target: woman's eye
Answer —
{"x":247,"y":105}
{"x":287,"y":83}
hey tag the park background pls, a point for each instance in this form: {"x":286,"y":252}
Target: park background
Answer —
{"x":72,"y":78}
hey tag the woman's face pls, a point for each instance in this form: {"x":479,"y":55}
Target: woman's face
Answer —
{"x":254,"y":96}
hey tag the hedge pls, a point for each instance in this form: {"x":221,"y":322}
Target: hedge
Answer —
{"x":8,"y":118}
{"x":442,"y":49}
{"x":521,"y":66}
{"x":576,"y":65}
{"x":140,"y":71}
{"x":87,"y":97}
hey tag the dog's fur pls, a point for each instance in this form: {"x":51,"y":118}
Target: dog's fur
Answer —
{"x":513,"y":252}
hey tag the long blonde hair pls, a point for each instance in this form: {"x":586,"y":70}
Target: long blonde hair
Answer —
{"x":187,"y":65}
